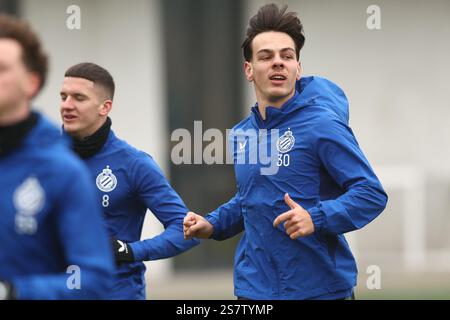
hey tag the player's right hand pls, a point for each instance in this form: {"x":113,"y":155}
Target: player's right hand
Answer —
{"x":196,"y":226}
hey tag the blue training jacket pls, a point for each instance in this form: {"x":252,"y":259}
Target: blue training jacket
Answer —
{"x":51,"y":229}
{"x":321,"y":166}
{"x":128,"y":182}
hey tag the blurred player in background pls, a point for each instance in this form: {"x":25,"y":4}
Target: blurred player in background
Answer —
{"x":293,"y":245}
{"x":51,"y":230}
{"x":127,"y":181}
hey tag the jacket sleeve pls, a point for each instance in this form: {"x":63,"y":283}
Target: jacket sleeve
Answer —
{"x":227,"y":220}
{"x":156,"y":193}
{"x":84,"y":243}
{"x":364,"y":198}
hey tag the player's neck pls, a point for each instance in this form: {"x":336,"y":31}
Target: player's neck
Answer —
{"x":92,"y":130}
{"x":92,"y":144}
{"x":11,"y":115}
{"x":263,"y":103}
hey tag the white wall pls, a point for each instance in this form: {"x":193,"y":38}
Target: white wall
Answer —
{"x":125,"y":38}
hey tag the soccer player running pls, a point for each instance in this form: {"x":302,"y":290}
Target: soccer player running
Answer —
{"x":128,"y":181}
{"x":293,"y":245}
{"x":49,"y":217}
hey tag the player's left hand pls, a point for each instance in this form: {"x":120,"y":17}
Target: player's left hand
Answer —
{"x":297,"y":221}
{"x":122,"y":251}
{"x":7,"y":291}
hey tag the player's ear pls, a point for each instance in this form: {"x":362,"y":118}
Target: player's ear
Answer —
{"x":105,"y":108}
{"x":299,"y":70}
{"x":248,"y":71}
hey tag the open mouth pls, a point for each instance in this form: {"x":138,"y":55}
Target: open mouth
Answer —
{"x":277,"y":78}
{"x":68,"y":117}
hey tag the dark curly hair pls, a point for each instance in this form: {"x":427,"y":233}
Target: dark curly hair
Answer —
{"x":33,"y":56}
{"x":272,"y":18}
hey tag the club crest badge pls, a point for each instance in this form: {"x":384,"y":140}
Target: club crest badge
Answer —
{"x":29,"y":197}
{"x":106,"y":181}
{"x":29,"y":200}
{"x":286,"y":142}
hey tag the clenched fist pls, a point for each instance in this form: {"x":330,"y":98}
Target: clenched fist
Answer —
{"x":196,"y":226}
